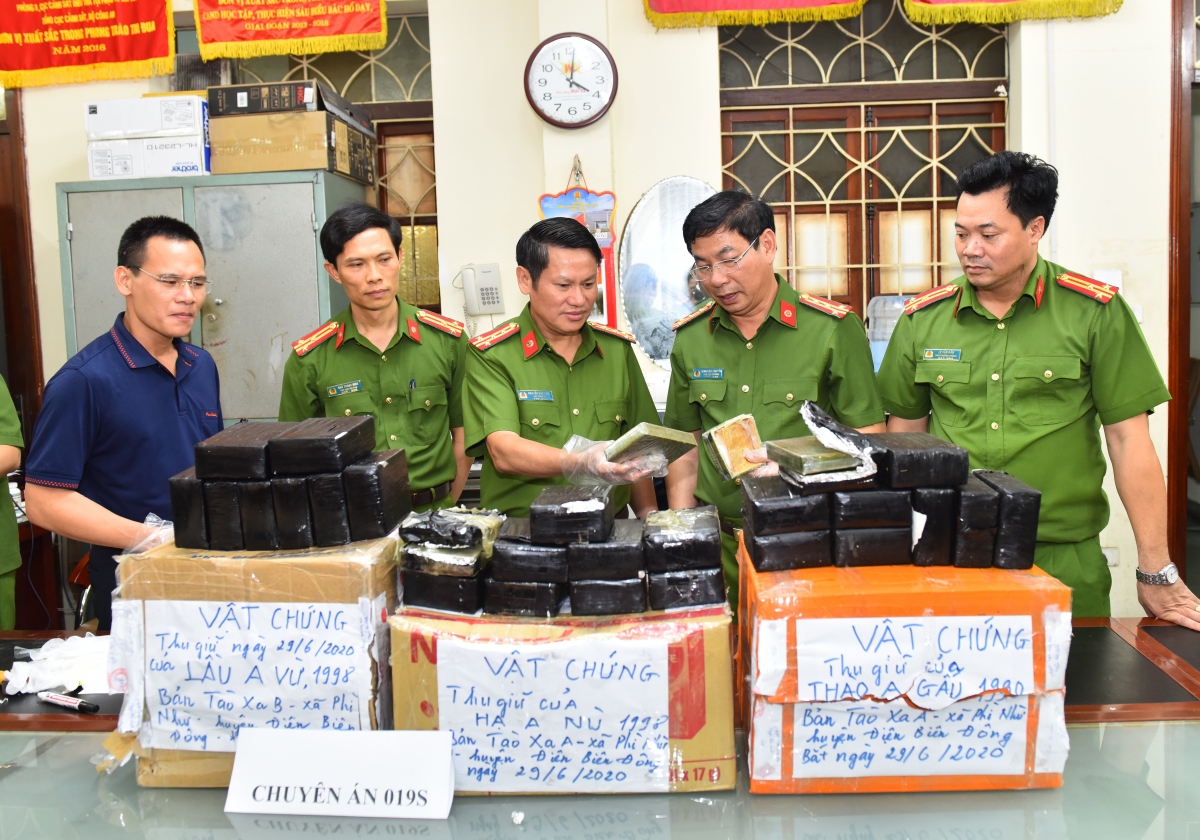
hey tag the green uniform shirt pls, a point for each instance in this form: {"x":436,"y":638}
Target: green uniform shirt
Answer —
{"x":1026,"y":393}
{"x":517,"y":383}
{"x":10,"y":435}
{"x":413,"y":388}
{"x":808,"y":348}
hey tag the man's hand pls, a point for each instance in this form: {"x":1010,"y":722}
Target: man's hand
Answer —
{"x":590,"y":466}
{"x":1174,"y":603}
{"x":759,"y":456}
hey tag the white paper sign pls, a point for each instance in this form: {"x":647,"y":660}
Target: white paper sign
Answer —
{"x":985,"y":734}
{"x":213,"y":669}
{"x":342,"y":774}
{"x":933,"y":660}
{"x":578,"y":716}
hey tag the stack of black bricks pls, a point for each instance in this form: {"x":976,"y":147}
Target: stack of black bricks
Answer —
{"x":290,"y":486}
{"x":923,"y":486}
{"x":443,"y":563}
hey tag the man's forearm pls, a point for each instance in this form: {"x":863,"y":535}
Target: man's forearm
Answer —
{"x":73,"y":515}
{"x":10,"y":458}
{"x":682,"y":477}
{"x":643,"y":498}
{"x":462,"y":462}
{"x":899,"y":424}
{"x":514,"y":455}
{"x":1139,"y":479}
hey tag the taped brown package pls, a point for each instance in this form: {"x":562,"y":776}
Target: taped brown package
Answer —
{"x":700,"y":677}
{"x":338,"y":574}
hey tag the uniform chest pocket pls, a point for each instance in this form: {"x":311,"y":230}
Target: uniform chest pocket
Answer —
{"x":709,"y":395}
{"x":1048,"y":390}
{"x":354,"y":404}
{"x":949,"y":390}
{"x":427,"y":415}
{"x":540,"y":420}
{"x":610,"y":417}
{"x":782,"y":399}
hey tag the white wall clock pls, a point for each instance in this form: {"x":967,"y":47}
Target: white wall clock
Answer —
{"x":570,"y":80}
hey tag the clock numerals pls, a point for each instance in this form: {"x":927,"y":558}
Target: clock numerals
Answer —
{"x":570,"y":80}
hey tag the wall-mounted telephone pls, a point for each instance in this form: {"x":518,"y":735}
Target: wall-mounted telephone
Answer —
{"x":481,"y":289}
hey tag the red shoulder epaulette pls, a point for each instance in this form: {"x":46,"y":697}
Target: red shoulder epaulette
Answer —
{"x":605,"y":328}
{"x":441,"y":322}
{"x":694,"y":314}
{"x":932,"y":296}
{"x":1087,"y":286}
{"x":494,"y":337}
{"x":320,"y":334}
{"x":829,"y":307}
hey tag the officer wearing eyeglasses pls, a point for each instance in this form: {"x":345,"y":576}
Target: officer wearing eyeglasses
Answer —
{"x":123,"y":415}
{"x":760,"y":348}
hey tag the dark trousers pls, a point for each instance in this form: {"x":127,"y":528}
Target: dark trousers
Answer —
{"x":102,"y":572}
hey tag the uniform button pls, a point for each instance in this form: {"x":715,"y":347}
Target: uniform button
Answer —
{"x":393,"y":437}
{"x":704,"y":396}
{"x":574,"y":410}
{"x":383,"y":358}
{"x":1000,"y":326}
{"x":995,"y":377}
{"x":1048,"y":374}
{"x":536,"y":422}
{"x":749,"y":345}
{"x":618,"y":418}
{"x":995,"y":426}
{"x":347,"y":412}
{"x":388,"y":400}
{"x":790,"y":398}
{"x":738,"y":482}
{"x":745,"y":389}
{"x":427,"y":403}
{"x":940,"y":377}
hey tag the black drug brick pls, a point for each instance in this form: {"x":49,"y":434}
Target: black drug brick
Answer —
{"x":978,"y":506}
{"x":975,"y":548}
{"x":621,"y":558}
{"x":872,"y":547}
{"x":259,"y":532}
{"x":437,"y":528}
{"x":327,"y":500}
{"x":515,"y":558}
{"x":797,"y":550}
{"x":224,"y":516}
{"x":187,"y":510}
{"x":292,"y":515}
{"x":1016,"y":534}
{"x":697,"y":588}
{"x":679,"y":540}
{"x":917,"y":459}
{"x":441,"y":592}
{"x":322,"y":445}
{"x":772,"y":506}
{"x":240,"y":452}
{"x":608,"y":597}
{"x":563,"y":514}
{"x":939,"y":507}
{"x":377,"y":494}
{"x":536,"y":599}
{"x":872,"y":509}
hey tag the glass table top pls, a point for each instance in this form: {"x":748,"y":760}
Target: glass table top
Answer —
{"x":1126,"y":781}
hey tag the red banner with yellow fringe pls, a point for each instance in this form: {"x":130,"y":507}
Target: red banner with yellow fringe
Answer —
{"x":930,"y":12}
{"x":58,"y":42}
{"x":249,"y":28}
{"x":678,"y":14}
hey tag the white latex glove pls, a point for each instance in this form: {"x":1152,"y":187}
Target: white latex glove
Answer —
{"x":155,"y":531}
{"x":589,"y":467}
{"x":759,"y":456}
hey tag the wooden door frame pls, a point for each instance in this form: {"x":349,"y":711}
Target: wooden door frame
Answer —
{"x":1183,"y":73}
{"x":21,"y":323}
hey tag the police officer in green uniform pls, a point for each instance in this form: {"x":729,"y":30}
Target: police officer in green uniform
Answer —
{"x":1020,"y":362}
{"x":758,"y":347}
{"x":549,"y":374}
{"x":11,"y":444}
{"x":384,"y":357}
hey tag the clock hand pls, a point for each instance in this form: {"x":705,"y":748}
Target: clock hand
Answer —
{"x":576,"y":84}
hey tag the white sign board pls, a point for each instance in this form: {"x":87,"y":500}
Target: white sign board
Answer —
{"x":586,"y":715}
{"x":342,"y":774}
{"x":213,"y":669}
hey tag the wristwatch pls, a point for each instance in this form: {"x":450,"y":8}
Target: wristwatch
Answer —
{"x":1164,"y":577}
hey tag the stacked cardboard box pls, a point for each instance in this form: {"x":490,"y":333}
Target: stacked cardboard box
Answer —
{"x":151,"y":137}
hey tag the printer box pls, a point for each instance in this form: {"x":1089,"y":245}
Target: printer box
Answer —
{"x":292,"y":140}
{"x":148,"y":116}
{"x":148,"y":157}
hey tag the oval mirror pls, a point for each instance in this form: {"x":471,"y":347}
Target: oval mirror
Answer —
{"x":653,"y":264}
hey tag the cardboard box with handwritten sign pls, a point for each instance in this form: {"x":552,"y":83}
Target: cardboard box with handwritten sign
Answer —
{"x":903,"y":678}
{"x":209,"y":642}
{"x":633,"y":704}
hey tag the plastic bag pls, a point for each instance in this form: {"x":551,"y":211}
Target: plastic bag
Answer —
{"x":586,"y":465}
{"x":155,"y":531}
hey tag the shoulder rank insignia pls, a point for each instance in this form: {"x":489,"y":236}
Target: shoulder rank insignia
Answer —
{"x":605,"y":328}
{"x":694,"y":314}
{"x":494,"y":337}
{"x":320,"y":334}
{"x":1087,"y":286}
{"x":441,"y":322}
{"x":932,"y":296}
{"x":829,"y":307}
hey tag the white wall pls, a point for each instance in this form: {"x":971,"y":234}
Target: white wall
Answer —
{"x":1105,"y":123}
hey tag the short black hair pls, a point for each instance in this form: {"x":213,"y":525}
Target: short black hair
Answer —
{"x":348,"y":221}
{"x":1032,"y":183}
{"x":533,"y":248}
{"x":732,"y":210}
{"x":132,"y":249}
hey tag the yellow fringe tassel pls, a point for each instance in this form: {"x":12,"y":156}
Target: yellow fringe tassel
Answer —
{"x":928,"y":14}
{"x":161,"y":66}
{"x":295,"y":46}
{"x":751,"y":17}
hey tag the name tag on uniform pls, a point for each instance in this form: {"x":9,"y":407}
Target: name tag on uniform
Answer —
{"x":344,"y":388}
{"x":535,"y":396}
{"x":708,"y":373}
{"x":943,"y":356}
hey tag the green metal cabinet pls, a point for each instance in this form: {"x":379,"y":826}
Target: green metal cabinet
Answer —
{"x":262,"y":253}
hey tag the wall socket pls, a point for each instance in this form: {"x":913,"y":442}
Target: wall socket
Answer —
{"x":1112,"y":555}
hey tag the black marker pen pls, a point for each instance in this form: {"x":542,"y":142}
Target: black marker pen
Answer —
{"x":68,"y":702}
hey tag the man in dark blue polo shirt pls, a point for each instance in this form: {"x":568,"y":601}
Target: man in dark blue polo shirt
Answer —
{"x":123,"y":415}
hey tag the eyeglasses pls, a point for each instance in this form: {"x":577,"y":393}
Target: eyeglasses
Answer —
{"x":174,"y":282}
{"x":704,"y":273}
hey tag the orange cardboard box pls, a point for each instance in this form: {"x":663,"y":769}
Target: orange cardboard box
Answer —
{"x":622,"y":704}
{"x":902,"y":678}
